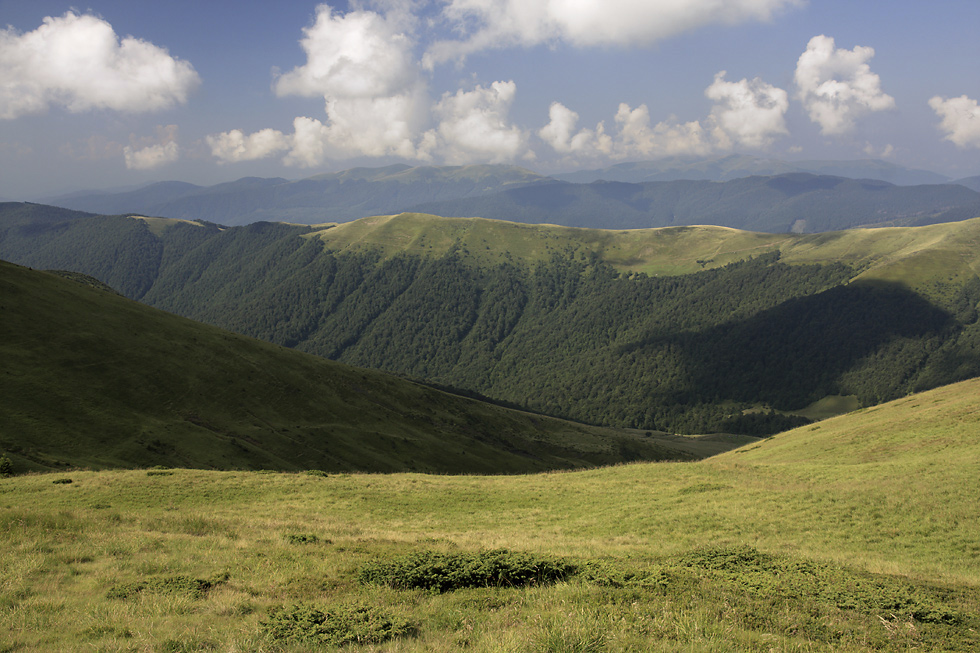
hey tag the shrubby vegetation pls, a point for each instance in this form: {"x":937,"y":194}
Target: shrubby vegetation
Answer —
{"x":444,"y":572}
{"x":335,"y":626}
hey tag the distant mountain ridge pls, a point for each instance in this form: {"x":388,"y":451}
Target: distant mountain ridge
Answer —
{"x":794,"y":202}
{"x":570,"y":199}
{"x":333,"y":197}
{"x":735,"y":166}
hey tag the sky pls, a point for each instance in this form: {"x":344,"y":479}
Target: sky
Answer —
{"x":113,"y":94}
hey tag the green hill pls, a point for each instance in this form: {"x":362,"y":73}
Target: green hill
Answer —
{"x":91,"y":379}
{"x":857,"y":534}
{"x":690,"y":329}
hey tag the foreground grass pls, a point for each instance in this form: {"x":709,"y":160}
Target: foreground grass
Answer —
{"x":860,"y":533}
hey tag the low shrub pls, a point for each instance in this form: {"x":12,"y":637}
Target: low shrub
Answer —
{"x":336,"y":626}
{"x":445,"y":572}
{"x":182,"y":585}
{"x":763,"y":574}
{"x":302,"y":538}
{"x":61,"y":481}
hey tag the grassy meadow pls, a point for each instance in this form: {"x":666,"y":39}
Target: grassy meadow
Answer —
{"x":861,"y":532}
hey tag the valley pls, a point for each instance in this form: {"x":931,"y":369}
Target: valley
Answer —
{"x":413,"y":433}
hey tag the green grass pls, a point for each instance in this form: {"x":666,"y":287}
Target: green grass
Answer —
{"x":859,"y":533}
{"x":920,"y":257}
{"x":91,"y":379}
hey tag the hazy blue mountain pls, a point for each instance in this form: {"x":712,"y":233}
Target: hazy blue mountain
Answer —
{"x":970,"y":182}
{"x":735,"y":166}
{"x":334,"y":197}
{"x":798,"y":202}
{"x":109,"y":203}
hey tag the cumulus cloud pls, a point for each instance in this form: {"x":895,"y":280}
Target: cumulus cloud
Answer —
{"x":503,"y":23}
{"x":837,"y":86}
{"x":233,"y":146}
{"x":79,"y":63}
{"x":474,"y":126}
{"x":634,"y":136}
{"x":360,"y":54}
{"x":308,"y":144}
{"x":140,"y":156}
{"x":667,"y":138}
{"x":749,"y":113}
{"x":960,"y":119}
{"x":362,"y":64}
{"x":558,"y":133}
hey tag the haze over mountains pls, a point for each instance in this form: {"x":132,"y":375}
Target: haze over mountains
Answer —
{"x":737,"y":191}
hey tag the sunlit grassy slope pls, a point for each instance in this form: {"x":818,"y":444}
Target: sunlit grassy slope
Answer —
{"x":859,"y":533}
{"x":912,"y":255}
{"x":92,"y":379}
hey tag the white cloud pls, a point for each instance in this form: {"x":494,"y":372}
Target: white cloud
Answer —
{"x":635,"y":136}
{"x":837,"y":86}
{"x":309,"y":143}
{"x":960,"y":119}
{"x":233,"y":146}
{"x":883,"y":152}
{"x":750,"y":113}
{"x":558,"y":133}
{"x":490,"y":24}
{"x":362,"y":64}
{"x":140,"y":156}
{"x":79,"y":63}
{"x":474,"y":127}
{"x":360,"y":54}
{"x":667,"y":138}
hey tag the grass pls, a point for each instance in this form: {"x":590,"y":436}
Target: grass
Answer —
{"x":858,"y":533}
{"x":921,"y":257}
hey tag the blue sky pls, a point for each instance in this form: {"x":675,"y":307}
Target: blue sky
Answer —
{"x":115,"y":93}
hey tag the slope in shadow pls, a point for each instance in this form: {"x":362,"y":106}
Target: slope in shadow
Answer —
{"x":797,"y":352}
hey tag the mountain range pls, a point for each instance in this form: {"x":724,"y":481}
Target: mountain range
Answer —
{"x":740,"y":192}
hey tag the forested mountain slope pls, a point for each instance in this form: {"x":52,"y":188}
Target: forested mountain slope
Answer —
{"x":92,"y":379}
{"x":683,"y":329}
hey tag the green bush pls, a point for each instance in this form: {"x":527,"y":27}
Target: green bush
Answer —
{"x":444,"y":572}
{"x":336,"y":626}
{"x":762,"y":574}
{"x":61,"y":481}
{"x":181,"y":585}
{"x":6,"y":466}
{"x":302,"y":538}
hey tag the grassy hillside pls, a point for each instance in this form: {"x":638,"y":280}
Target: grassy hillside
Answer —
{"x":856,"y":534}
{"x":92,"y":379}
{"x":895,"y":253}
{"x":689,"y":329}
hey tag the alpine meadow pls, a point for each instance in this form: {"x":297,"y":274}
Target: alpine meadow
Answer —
{"x":404,"y":326}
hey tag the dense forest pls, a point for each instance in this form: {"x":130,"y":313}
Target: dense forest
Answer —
{"x":570,"y":336}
